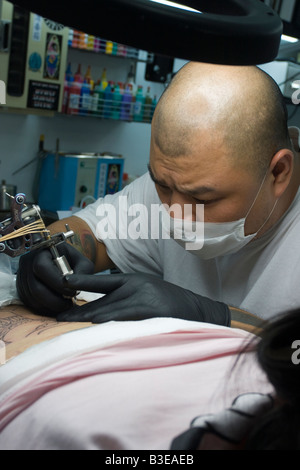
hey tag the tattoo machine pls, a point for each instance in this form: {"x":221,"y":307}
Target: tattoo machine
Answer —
{"x":25,"y":231}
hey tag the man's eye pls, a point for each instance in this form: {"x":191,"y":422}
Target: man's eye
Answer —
{"x":163,"y":188}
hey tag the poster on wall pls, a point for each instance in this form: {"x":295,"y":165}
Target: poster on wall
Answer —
{"x":52,"y":56}
{"x":42,"y":95}
{"x":113,"y":179}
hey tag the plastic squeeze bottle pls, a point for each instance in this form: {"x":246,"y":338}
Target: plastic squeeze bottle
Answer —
{"x":107,"y":105}
{"x":116,"y":104}
{"x":126,"y":114}
{"x":85,"y":98}
{"x":148,"y":106}
{"x":138,"y":107}
{"x":66,"y":93}
{"x":74,"y":97}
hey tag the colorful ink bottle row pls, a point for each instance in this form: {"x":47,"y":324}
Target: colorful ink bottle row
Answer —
{"x":106,"y":99}
{"x":80,"y":40}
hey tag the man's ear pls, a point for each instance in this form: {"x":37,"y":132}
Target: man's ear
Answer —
{"x":282,"y":165}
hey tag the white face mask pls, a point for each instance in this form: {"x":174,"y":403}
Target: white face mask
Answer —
{"x":209,"y":239}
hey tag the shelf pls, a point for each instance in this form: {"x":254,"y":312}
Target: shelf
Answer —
{"x":111,"y":109}
{"x":120,"y":102}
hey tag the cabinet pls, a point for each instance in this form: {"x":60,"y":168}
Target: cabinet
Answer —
{"x":33,"y":52}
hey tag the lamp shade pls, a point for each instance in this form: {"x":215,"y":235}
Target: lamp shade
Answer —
{"x":234,"y":32}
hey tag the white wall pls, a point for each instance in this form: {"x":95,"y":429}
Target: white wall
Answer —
{"x":19,"y":135}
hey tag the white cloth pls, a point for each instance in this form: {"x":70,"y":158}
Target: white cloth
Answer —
{"x":123,"y":385}
{"x":261,"y":278}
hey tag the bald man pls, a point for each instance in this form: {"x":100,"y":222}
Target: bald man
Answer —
{"x":221,"y":160}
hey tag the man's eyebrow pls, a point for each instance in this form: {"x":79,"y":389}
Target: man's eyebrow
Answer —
{"x":192,"y":191}
{"x":199,"y":190}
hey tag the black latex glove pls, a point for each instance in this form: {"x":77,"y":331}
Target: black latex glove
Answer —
{"x":40,"y":283}
{"x":140,"y":296}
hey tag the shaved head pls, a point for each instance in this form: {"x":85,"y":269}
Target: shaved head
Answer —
{"x":240,"y":108}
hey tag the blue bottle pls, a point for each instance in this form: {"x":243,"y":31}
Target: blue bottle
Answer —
{"x":85,"y":98}
{"x":116,"y":103}
{"x":126,"y":114}
{"x":108,"y":98}
{"x":138,"y":107}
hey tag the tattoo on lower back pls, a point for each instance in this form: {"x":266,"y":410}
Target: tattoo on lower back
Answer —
{"x":7,"y":324}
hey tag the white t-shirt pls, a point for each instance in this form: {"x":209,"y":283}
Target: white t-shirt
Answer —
{"x":262,"y":278}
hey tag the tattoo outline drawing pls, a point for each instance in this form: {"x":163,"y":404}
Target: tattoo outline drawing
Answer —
{"x":11,"y":322}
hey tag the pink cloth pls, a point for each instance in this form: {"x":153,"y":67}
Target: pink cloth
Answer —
{"x":137,"y":394}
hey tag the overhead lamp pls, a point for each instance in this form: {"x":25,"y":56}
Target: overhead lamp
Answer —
{"x":176,"y":5}
{"x":286,"y":38}
{"x":235,"y":32}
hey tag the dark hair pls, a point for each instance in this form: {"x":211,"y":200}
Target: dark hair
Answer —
{"x":277,"y":354}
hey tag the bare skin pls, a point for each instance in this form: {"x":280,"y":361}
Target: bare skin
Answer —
{"x":20,"y":329}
